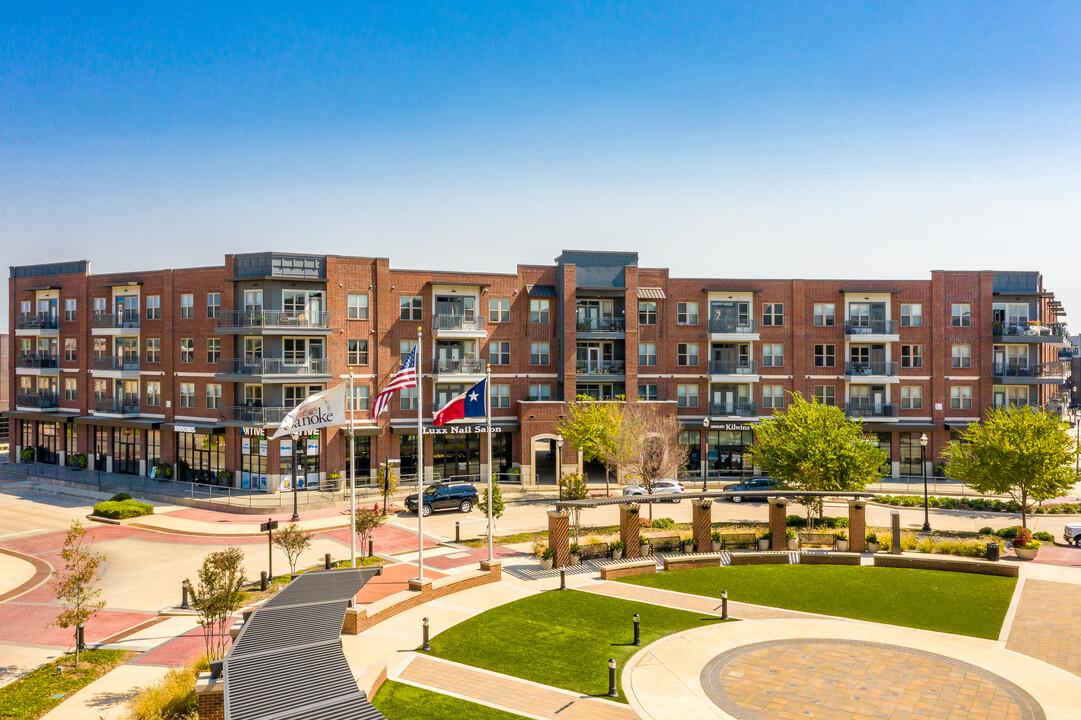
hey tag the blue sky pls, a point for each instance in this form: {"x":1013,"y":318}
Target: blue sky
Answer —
{"x":749,"y":139}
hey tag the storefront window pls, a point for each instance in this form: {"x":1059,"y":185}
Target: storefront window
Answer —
{"x":26,"y":433}
{"x":253,"y":463}
{"x":362,"y":459}
{"x":153,"y":452}
{"x":71,"y":439}
{"x":727,"y":449}
{"x":408,"y":453}
{"x":127,"y":450}
{"x":309,"y":458}
{"x":910,"y":454}
{"x":692,"y":440}
{"x":502,"y":454}
{"x":49,"y":442}
{"x":456,"y":456}
{"x":101,"y":447}
{"x":885,"y":444}
{"x":200,"y":457}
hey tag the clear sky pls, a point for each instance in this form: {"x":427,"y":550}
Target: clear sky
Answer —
{"x":760,"y":139}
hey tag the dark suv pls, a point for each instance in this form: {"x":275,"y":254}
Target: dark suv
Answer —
{"x":445,"y":496}
{"x":753,"y":484}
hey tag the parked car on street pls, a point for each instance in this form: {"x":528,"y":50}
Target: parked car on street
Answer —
{"x":659,"y":487}
{"x":1072,"y":533}
{"x":445,"y":496}
{"x":752,"y":484}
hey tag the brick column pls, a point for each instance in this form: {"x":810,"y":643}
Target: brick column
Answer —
{"x":629,"y":529}
{"x":778,"y":523}
{"x":210,"y":695}
{"x":702,"y":524}
{"x":857,"y":526}
{"x":559,"y":537}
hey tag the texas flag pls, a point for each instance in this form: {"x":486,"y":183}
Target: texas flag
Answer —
{"x":470,"y":404}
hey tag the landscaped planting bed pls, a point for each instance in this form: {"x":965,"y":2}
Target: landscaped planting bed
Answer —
{"x":43,"y":689}
{"x":398,"y":701}
{"x":122,"y":509}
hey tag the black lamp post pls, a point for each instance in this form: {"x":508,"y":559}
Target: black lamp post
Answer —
{"x":296,"y":475}
{"x":559,"y":463}
{"x":705,"y":455}
{"x":923,"y":467}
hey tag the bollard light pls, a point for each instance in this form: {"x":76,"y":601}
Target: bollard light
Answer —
{"x":326,"y":561}
{"x":262,"y":580}
{"x":184,"y":594}
{"x":457,"y":532}
{"x":425,"y":647}
{"x":562,"y":578}
{"x":371,"y":547}
{"x":724,"y":604}
{"x":637,"y":631}
{"x":612,"y":678}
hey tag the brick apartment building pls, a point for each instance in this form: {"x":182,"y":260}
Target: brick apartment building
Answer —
{"x":192,"y":369}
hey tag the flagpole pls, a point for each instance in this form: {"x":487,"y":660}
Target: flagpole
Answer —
{"x":352,"y":476}
{"x":420,"y":454}
{"x":491,"y":470}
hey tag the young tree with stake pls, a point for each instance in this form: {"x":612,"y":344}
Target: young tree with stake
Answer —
{"x":497,"y":503}
{"x":293,"y":540}
{"x":367,"y":521}
{"x":216,"y":595}
{"x":74,"y":584}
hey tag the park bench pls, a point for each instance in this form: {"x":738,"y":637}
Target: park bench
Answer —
{"x":592,"y":551}
{"x":665,"y":542}
{"x":736,"y":540}
{"x":816,"y":539}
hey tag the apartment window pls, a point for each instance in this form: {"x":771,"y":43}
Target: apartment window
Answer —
{"x":101,"y":306}
{"x":961,"y":315}
{"x":687,"y":396}
{"x":404,"y":348}
{"x":153,"y":307}
{"x":911,"y":315}
{"x":408,"y":398}
{"x":253,"y":302}
{"x":70,"y":349}
{"x":961,"y":356}
{"x":538,"y":353}
{"x":187,"y":350}
{"x":187,"y":395}
{"x":101,"y":347}
{"x":773,"y":314}
{"x":825,"y":394}
{"x":773,"y":396}
{"x":153,"y":393}
{"x":499,"y":353}
{"x":912,"y":356}
{"x":411,"y":307}
{"x":25,"y":309}
{"x":648,"y":392}
{"x":499,"y":310}
{"x":911,"y":398}
{"x":647,"y":354}
{"x":101,"y":389}
{"x":687,"y":354}
{"x":213,"y":350}
{"x":687,"y":313}
{"x":647,"y":312}
{"x":825,"y":314}
{"x":359,"y":400}
{"x":187,"y":306}
{"x":961,"y":397}
{"x":153,"y":350}
{"x":358,"y":306}
{"x":253,"y":395}
{"x":825,"y":356}
{"x":538,"y":311}
{"x":213,"y":396}
{"x":540,"y":392}
{"x":772,"y":355}
{"x":500,"y":396}
{"x":69,"y":309}
{"x":358,"y":352}
{"x":213,"y":305}
{"x":71,"y":388}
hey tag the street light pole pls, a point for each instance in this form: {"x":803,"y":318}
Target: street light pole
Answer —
{"x":559,"y":463}
{"x":923,"y":467}
{"x":296,"y":475}
{"x":705,"y":455}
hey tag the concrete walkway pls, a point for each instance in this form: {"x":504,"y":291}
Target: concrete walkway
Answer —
{"x":692,"y":603}
{"x":107,"y":697}
{"x":1047,"y":624}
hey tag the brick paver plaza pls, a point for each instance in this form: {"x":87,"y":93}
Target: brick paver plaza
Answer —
{"x":1048,"y":624}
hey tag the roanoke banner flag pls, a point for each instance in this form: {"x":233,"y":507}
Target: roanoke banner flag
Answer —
{"x":470,"y":404}
{"x":323,"y":409}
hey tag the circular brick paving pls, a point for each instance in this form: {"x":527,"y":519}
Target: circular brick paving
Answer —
{"x":824,"y":678}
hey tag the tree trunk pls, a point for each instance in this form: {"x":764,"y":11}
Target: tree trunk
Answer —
{"x":607,"y":485}
{"x":1024,"y":507}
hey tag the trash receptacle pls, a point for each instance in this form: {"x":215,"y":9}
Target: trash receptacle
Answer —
{"x":992,"y":552}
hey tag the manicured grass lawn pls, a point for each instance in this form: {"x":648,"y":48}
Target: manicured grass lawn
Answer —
{"x":927,"y":599}
{"x":30,"y":697}
{"x":405,"y":702}
{"x":560,"y":638}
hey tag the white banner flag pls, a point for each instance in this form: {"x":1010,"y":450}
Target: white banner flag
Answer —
{"x":324,"y":409}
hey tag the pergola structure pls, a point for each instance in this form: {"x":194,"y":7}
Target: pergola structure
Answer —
{"x":702,"y":517}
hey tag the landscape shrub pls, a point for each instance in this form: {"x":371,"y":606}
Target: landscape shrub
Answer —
{"x":1008,"y":533}
{"x":122,"y":509}
{"x":170,"y":698}
{"x":987,"y":530}
{"x":663,"y":523}
{"x":120,"y":496}
{"x":1044,"y":536}
{"x":954,"y":503}
{"x":1059,"y":509}
{"x":796,"y":521}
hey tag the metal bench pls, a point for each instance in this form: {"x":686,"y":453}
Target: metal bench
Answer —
{"x":592,"y":551}
{"x":665,"y":542}
{"x":816,"y":539}
{"x":734,"y":540}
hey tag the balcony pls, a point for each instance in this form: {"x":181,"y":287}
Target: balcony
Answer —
{"x":457,"y":366}
{"x":731,"y":329}
{"x":874,"y":369}
{"x":268,"y":368}
{"x":604,"y":325}
{"x":37,"y":364}
{"x":735,"y":409}
{"x":865,"y":330}
{"x":1029,"y":374}
{"x":273,"y":321}
{"x":745,"y":371}
{"x":37,"y":400}
{"x":468,"y":324}
{"x":36,"y":324}
{"x":121,"y":322}
{"x":1029,"y":332}
{"x":120,"y":365}
{"x":871,"y":410}
{"x":116,"y":406}
{"x":252,"y":415}
{"x":604,"y":369}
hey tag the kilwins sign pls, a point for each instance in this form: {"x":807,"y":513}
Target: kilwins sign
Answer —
{"x":731,"y":426}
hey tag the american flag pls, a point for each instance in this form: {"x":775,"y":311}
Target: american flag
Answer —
{"x":406,"y":377}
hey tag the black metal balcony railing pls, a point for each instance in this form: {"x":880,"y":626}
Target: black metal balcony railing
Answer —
{"x":873,"y":368}
{"x":865,"y":410}
{"x":871,"y":327}
{"x":116,"y":319}
{"x":116,"y":406}
{"x":1028,"y":329}
{"x":726,"y":325}
{"x":116,"y":362}
{"x":273,"y":366}
{"x":272,"y":319}
{"x":601,"y":368}
{"x":728,"y":367}
{"x":607,"y":323}
{"x":37,"y":361}
{"x":253,"y":414}
{"x":467,"y":366}
{"x":468,"y":321}
{"x":734,"y":409}
{"x":37,"y":321}
{"x":39,"y":399}
{"x":1019,"y":370}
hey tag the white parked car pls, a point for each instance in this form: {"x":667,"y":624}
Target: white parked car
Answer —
{"x":659,"y":487}
{"x":1072,"y":533}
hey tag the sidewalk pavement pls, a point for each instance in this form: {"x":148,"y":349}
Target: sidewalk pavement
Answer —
{"x":107,"y":697}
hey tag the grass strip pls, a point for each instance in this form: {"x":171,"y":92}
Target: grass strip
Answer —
{"x":405,"y":702}
{"x":952,"y":602}
{"x":35,"y":694}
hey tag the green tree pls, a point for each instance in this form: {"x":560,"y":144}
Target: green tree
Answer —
{"x":815,"y":447}
{"x":366,"y":523}
{"x":293,"y":540}
{"x":74,"y":584}
{"x":648,"y":442}
{"x":497,"y":503}
{"x":574,"y":487}
{"x":216,"y":595}
{"x":1022,"y":451}
{"x":592,"y":428}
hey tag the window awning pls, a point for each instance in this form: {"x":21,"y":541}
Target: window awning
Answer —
{"x":43,"y":416}
{"x":362,"y":430}
{"x":194,"y":426}
{"x":650,"y":293}
{"x":541,"y":290}
{"x":118,"y":422}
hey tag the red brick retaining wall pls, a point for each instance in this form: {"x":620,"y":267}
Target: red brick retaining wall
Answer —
{"x":628,"y":569}
{"x":759,"y":559}
{"x":981,"y":567}
{"x":830,"y":559}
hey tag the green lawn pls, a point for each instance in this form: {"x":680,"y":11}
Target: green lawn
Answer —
{"x":928,"y":599}
{"x":32,"y":696}
{"x":560,"y":638}
{"x":405,"y":702}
